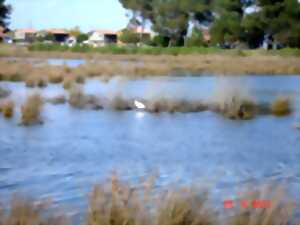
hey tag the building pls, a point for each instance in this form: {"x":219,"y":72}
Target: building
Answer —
{"x":59,"y":35}
{"x":102,"y":38}
{"x":25,"y":35}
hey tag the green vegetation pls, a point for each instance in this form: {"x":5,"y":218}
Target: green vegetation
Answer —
{"x":276,"y":21}
{"x":128,"y":36}
{"x":5,"y":11}
{"x":82,"y":37}
{"x":159,"y":41}
{"x":196,"y":39}
{"x":112,"y":49}
{"x":31,"y":110}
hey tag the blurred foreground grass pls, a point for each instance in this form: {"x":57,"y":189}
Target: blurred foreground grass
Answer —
{"x":119,"y":203}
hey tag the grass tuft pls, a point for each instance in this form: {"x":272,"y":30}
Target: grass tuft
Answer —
{"x":119,"y":203}
{"x":31,"y":110}
{"x":7,"y":109}
{"x":68,"y":82}
{"x":281,"y":106}
{"x":42,"y":82}
{"x":56,"y":78}
{"x":30,"y":82}
{"x":24,"y":211}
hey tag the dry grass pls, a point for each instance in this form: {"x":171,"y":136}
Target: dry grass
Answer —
{"x":236,"y":109}
{"x":26,"y":212}
{"x":78,"y":99}
{"x":117,"y":102}
{"x":80,"y":79}
{"x":158,"y":105}
{"x":36,"y":81}
{"x":233,"y":100}
{"x":56,"y":78}
{"x":68,"y":83}
{"x":281,"y":106}
{"x":119,"y":203}
{"x":31,"y":110}
{"x":141,"y":66}
{"x":7,"y":109}
{"x":281,"y":211}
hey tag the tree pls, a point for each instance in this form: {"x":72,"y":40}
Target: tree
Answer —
{"x":82,"y":37}
{"x":49,"y":37}
{"x":196,"y":39}
{"x":171,"y":20}
{"x":279,"y":19}
{"x":227,"y":27}
{"x":253,"y":30}
{"x":75,"y":32}
{"x":160,"y":41}
{"x":128,"y":36}
{"x":5,"y":11}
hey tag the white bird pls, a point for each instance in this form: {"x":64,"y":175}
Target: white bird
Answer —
{"x":139,"y":105}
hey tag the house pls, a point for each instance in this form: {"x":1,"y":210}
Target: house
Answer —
{"x":59,"y":35}
{"x":102,"y":37}
{"x":25,"y":35}
{"x":71,"y":41}
{"x":143,"y":32}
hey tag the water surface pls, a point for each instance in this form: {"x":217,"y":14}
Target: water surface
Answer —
{"x":77,"y":148}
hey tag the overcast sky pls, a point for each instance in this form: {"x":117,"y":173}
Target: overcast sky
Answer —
{"x":87,"y":14}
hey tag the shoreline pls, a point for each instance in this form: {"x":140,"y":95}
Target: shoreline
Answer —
{"x":140,"y":66}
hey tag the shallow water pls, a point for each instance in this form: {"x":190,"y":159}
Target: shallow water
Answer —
{"x":73,"y":63}
{"x":77,"y":148}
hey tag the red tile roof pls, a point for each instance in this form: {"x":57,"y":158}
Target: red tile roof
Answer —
{"x":103,"y":31}
{"x":27,"y":31}
{"x":140,"y":30}
{"x":57,"y":31}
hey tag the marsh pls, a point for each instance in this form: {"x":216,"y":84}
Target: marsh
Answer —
{"x":75,"y":148}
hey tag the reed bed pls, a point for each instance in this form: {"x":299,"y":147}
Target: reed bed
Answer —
{"x":68,"y":82}
{"x":78,"y":99}
{"x":119,"y":203}
{"x":31,"y":110}
{"x":25,"y":211}
{"x":142,"y":66}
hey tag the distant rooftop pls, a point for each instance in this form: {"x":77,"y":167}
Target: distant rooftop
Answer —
{"x":105,"y":31}
{"x":27,"y":30}
{"x":57,"y":31}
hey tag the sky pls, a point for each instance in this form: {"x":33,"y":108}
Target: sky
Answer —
{"x":87,"y":14}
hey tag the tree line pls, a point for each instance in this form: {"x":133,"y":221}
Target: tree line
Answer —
{"x":230,"y":22}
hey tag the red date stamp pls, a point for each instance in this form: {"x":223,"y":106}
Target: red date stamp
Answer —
{"x":248,"y":204}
